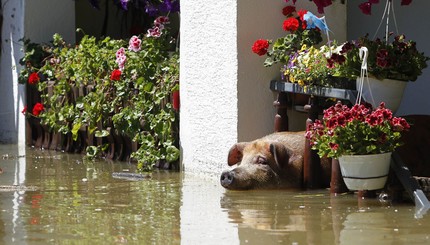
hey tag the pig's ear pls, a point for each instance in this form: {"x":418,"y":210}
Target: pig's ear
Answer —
{"x":235,"y":154}
{"x":280,"y":153}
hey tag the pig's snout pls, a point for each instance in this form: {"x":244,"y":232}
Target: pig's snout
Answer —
{"x":227,"y":178}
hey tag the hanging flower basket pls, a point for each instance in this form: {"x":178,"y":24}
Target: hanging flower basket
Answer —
{"x":389,"y":91}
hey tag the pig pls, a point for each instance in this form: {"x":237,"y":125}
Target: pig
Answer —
{"x":272,"y":162}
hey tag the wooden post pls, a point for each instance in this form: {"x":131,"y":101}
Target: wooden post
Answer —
{"x":337,"y":185}
{"x":311,"y":162}
{"x":281,"y":117}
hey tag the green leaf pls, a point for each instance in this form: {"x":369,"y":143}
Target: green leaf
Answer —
{"x":75,"y":131}
{"x":147,"y":87}
{"x":172,"y":153}
{"x":102,"y":133}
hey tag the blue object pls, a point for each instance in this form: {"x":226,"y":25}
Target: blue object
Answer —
{"x":313,"y":21}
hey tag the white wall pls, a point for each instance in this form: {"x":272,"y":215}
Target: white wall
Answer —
{"x":11,"y":95}
{"x":256,"y":20}
{"x":412,"y":21}
{"x":44,"y":18}
{"x":225,"y":95}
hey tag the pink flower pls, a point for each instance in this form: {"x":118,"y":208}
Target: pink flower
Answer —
{"x":121,"y":58}
{"x":159,"y":26}
{"x":373,"y":120}
{"x":120,"y":52}
{"x":405,"y":2}
{"x":309,"y":134}
{"x":334,"y":146}
{"x":154,"y":32}
{"x":24,"y":111}
{"x":288,"y":10}
{"x":321,"y":4}
{"x":134,"y":44}
{"x":163,"y":20}
{"x":400,"y":124}
{"x":366,"y":8}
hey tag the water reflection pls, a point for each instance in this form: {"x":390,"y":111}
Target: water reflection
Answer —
{"x":315,"y":217}
{"x":78,"y":202}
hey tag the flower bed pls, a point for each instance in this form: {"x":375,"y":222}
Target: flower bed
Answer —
{"x":105,"y":97}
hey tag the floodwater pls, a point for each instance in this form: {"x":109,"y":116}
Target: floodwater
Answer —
{"x":64,"y":199}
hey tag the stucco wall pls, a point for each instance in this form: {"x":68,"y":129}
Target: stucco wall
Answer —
{"x":208,"y":83}
{"x":412,"y":21}
{"x":225,"y":95}
{"x":11,"y":95}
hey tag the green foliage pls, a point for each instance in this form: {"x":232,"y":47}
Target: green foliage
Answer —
{"x":283,"y":47}
{"x":34,"y":57}
{"x":78,"y":91}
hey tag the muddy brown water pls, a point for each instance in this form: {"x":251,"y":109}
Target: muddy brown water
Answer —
{"x":58,"y":198}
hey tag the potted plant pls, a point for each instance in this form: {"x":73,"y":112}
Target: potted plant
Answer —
{"x":355,"y":136}
{"x":299,"y":33}
{"x":390,"y":64}
{"x":312,"y":66}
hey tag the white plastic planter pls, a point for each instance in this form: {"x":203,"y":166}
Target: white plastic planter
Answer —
{"x":365,"y":172}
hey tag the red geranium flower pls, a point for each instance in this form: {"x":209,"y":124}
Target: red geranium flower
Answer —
{"x":291,"y":24}
{"x":115,"y":75}
{"x":24,"y":111}
{"x":260,"y":47}
{"x":405,"y":2}
{"x":382,"y":58}
{"x":334,"y":146}
{"x":38,"y":108}
{"x":33,"y":78}
{"x":288,"y":10}
{"x":366,"y":8}
{"x":321,"y":4}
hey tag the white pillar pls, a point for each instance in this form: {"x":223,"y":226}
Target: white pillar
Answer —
{"x":11,"y":94}
{"x":208,"y":81}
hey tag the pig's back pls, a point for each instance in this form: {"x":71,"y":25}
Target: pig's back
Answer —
{"x":293,"y":140}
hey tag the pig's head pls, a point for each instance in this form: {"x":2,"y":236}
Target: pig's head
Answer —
{"x":262,"y":165}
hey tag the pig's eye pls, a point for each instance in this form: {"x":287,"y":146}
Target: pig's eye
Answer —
{"x":261,"y":160}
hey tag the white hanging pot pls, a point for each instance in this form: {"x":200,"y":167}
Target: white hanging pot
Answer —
{"x":387,"y":90}
{"x":365,"y":172}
